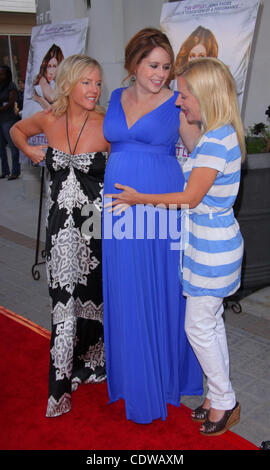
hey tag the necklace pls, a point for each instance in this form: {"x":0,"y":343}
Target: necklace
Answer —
{"x":72,"y":153}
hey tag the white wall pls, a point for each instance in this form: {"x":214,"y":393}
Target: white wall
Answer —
{"x":106,"y":41}
{"x":113,"y":22}
{"x":140,"y":14}
{"x":257,"y":94}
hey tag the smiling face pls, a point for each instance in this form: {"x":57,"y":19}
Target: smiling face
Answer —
{"x":153,"y":71}
{"x":86,"y":92}
{"x":51,"y":69}
{"x":189,"y":104}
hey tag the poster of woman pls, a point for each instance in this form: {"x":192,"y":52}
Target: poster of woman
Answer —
{"x":200,"y":43}
{"x":220,"y":28}
{"x":44,"y":82}
{"x":50,"y":44}
{"x":211,"y":28}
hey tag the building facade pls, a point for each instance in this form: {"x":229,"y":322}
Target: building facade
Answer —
{"x":111,"y":24}
{"x":16,"y":21}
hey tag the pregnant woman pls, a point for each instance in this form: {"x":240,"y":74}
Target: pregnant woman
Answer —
{"x":149,"y":360}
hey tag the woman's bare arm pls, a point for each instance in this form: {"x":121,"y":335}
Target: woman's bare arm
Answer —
{"x":199,"y":183}
{"x":26,"y":128}
{"x":190,"y":133}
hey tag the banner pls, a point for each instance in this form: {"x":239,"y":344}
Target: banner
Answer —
{"x":50,"y":44}
{"x":212,"y":28}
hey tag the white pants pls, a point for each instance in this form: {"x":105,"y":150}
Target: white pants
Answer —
{"x":206,"y":333}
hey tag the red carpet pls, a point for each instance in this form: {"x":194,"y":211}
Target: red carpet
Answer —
{"x":92,"y":424}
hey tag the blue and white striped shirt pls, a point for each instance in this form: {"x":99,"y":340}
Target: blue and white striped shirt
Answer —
{"x":213,"y":253}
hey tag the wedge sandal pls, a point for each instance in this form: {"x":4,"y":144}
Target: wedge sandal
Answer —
{"x":229,"y":419}
{"x":200,"y":414}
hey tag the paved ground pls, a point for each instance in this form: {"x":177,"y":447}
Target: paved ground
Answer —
{"x":248,"y":332}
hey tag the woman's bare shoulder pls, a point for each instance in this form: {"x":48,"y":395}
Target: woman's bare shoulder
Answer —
{"x":97,"y":116}
{"x":47,"y":121}
{"x":49,"y":117}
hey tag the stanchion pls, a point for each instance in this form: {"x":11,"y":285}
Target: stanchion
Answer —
{"x":35,"y":271}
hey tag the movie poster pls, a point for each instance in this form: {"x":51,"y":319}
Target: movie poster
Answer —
{"x":50,"y":44}
{"x":213,"y":28}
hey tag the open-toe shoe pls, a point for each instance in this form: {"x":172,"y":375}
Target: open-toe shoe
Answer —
{"x":229,"y":419}
{"x":200,"y":414}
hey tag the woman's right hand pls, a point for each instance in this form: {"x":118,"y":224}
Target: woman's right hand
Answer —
{"x":36,"y":153}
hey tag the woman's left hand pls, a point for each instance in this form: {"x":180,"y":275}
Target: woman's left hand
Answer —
{"x":128,"y":197}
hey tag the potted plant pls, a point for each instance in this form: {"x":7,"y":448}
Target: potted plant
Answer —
{"x":258,"y":137}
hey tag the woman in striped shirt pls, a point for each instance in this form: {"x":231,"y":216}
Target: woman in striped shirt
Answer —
{"x":212,"y":256}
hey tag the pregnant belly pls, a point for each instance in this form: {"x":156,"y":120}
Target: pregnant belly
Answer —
{"x":152,"y":173}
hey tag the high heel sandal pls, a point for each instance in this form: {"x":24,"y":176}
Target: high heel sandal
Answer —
{"x":229,"y":419}
{"x":200,"y":414}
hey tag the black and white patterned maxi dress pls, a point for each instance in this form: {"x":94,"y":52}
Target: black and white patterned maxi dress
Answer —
{"x":73,"y":258}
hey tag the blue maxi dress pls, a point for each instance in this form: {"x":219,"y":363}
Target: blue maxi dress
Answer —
{"x":149,"y":360}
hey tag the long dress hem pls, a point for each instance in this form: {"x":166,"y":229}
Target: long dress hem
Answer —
{"x":149,"y":361}
{"x":73,"y":261}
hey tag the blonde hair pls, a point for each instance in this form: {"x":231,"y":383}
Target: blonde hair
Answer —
{"x":68,"y":74}
{"x":212,"y":84}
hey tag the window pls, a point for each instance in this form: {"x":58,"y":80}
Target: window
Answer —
{"x":14,"y":53}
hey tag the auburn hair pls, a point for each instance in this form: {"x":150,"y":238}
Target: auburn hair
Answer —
{"x":142,"y":44}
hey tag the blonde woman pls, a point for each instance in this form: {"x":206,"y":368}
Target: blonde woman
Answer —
{"x":75,"y":158}
{"x":149,"y":360}
{"x":212,"y":257}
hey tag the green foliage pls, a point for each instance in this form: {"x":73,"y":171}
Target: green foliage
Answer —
{"x":255,"y":144}
{"x":258,"y":137}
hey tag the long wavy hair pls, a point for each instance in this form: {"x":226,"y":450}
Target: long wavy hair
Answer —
{"x":202,"y":36}
{"x":54,"y":52}
{"x":212,"y":84}
{"x":67,"y":75}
